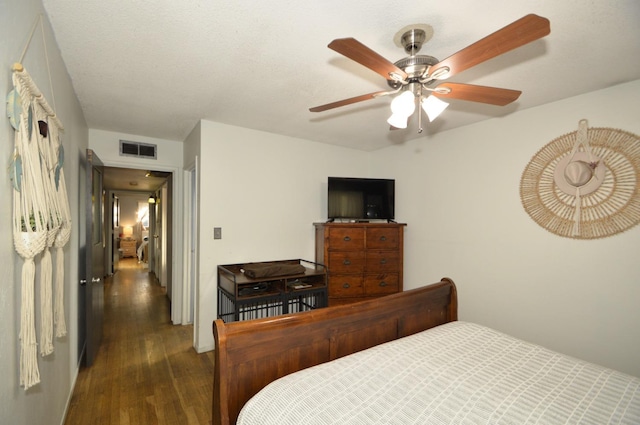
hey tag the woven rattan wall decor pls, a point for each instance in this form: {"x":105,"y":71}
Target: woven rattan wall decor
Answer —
{"x":584,"y":184}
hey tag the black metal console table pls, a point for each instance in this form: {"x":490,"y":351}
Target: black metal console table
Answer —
{"x":241,"y":297}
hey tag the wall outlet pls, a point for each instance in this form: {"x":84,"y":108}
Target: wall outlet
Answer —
{"x":217,"y":233}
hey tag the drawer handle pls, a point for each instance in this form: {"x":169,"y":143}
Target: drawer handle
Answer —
{"x":383,"y":238}
{"x":346,"y":285}
{"x":346,"y":262}
{"x":347,"y":238}
{"x":382,"y":284}
{"x":383,"y":261}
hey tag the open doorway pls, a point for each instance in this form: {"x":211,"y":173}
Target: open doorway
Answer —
{"x":138,"y":222}
{"x":130,"y":233}
{"x":164,"y":247}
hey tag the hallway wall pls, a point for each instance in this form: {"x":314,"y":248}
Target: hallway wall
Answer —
{"x":43,"y":404}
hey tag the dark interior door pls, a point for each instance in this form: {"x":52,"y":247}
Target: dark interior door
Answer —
{"x":94,"y":253}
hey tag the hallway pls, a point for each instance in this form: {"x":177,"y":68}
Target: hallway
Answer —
{"x":147,"y":371}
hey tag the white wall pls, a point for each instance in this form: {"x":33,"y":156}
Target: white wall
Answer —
{"x":459,"y":193}
{"x":265,"y":191}
{"x":107,"y":145}
{"x":45,"y":403}
{"x":129,"y":206}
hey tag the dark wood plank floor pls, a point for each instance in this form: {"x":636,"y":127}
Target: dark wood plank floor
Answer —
{"x":147,"y":371}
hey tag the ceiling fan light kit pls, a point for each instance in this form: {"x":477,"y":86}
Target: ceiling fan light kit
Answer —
{"x":433,"y":107}
{"x":403,"y":104}
{"x":402,"y":107}
{"x":398,"y":121}
{"x":414,"y":75}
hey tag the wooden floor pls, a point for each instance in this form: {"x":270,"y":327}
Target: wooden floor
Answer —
{"x":147,"y":371}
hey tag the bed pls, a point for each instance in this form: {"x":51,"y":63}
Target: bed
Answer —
{"x":400,"y":359}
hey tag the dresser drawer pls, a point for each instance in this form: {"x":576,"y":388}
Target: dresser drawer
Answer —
{"x":346,"y":262}
{"x":128,"y":252}
{"x":382,"y":261}
{"x":348,"y":238}
{"x":382,"y":238}
{"x":342,"y":286}
{"x":381,"y":284}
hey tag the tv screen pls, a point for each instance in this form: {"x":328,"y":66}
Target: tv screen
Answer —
{"x":360,"y":198}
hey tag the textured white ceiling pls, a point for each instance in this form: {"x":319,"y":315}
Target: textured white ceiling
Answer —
{"x":155,"y":68}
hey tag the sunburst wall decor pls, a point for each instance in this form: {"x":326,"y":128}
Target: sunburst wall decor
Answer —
{"x":584,"y":184}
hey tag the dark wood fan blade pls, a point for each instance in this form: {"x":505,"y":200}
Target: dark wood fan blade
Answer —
{"x":482,"y":94}
{"x":354,"y":50}
{"x":349,"y":101}
{"x":514,"y":35}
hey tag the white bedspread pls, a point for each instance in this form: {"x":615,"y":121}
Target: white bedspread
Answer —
{"x":458,"y":373}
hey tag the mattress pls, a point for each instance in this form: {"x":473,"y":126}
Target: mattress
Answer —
{"x":458,"y":373}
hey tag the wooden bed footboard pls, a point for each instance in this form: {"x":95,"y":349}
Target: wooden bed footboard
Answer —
{"x":251,"y":354}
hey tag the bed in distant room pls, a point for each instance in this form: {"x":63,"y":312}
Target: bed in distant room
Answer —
{"x":142,"y":249}
{"x":405,"y":359}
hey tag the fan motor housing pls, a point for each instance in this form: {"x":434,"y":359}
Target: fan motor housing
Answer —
{"x":414,"y":66}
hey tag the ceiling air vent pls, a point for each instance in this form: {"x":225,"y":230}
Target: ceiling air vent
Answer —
{"x":141,"y":150}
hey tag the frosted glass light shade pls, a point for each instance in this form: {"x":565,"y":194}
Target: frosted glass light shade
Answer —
{"x":398,"y":121}
{"x":403,"y":104}
{"x":433,"y":107}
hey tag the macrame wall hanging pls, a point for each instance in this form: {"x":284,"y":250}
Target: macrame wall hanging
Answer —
{"x":41,"y":215}
{"x":584,"y":185}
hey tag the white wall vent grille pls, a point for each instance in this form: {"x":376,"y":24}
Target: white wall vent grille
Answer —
{"x":137,"y":149}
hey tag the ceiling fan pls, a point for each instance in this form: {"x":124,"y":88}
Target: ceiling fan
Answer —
{"x":418,"y":76}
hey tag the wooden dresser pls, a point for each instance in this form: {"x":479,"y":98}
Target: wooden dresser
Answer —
{"x":364,"y":260}
{"x":128,"y":247}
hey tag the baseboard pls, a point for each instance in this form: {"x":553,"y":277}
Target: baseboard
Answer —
{"x":73,"y":386}
{"x":204,"y":348}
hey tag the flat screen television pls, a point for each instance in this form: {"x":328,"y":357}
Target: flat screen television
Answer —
{"x":360,"y":199}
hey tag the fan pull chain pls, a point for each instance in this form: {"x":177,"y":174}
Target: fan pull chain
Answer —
{"x":419,"y":115}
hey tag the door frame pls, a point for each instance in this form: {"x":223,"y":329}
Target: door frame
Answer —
{"x":93,"y":279}
{"x":177,"y":298}
{"x":191,"y":248}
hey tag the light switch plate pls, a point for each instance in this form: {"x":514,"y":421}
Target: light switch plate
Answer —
{"x":217,"y":233}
